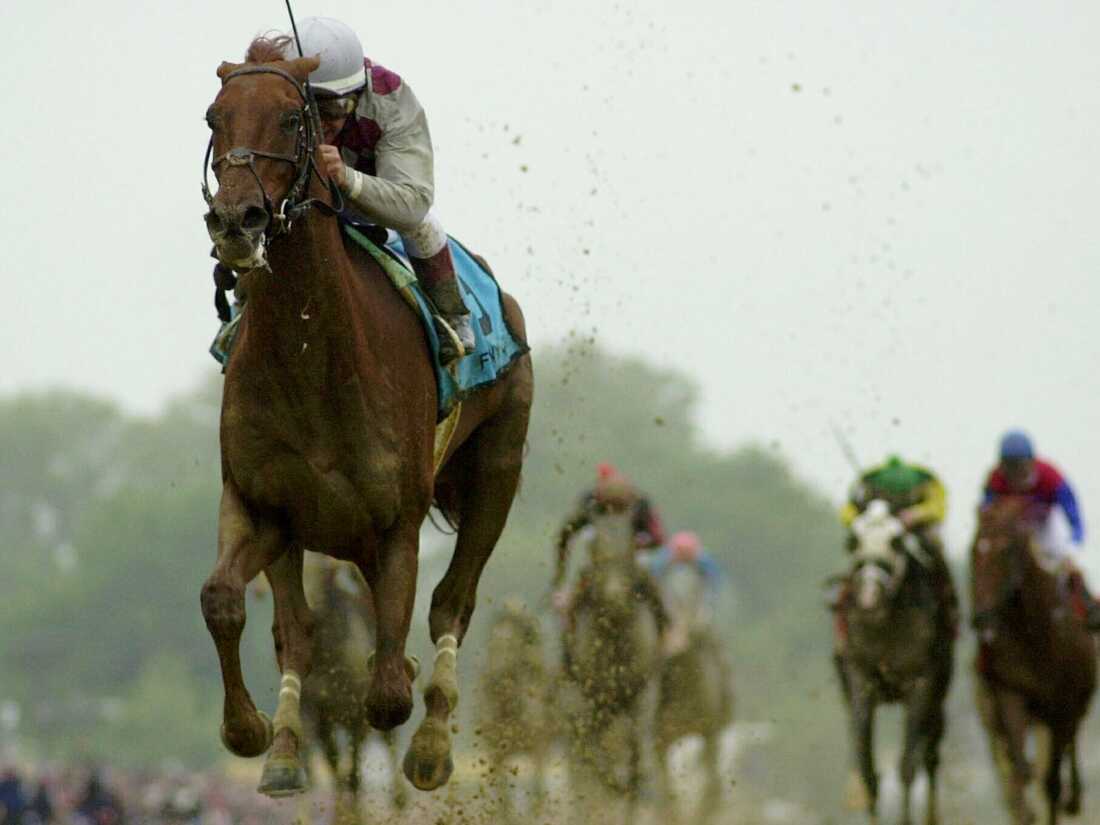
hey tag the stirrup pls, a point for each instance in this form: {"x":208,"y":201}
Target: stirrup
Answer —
{"x":450,"y":345}
{"x":453,"y":344}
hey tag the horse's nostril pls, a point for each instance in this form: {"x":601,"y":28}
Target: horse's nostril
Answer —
{"x":214,"y":223}
{"x":255,"y":219}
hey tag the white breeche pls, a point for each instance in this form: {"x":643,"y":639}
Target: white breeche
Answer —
{"x":1055,"y":541}
{"x":426,"y":239}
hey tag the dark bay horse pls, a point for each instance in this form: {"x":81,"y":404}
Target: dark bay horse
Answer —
{"x":614,"y":648}
{"x":1036,"y":661}
{"x":327,"y":433}
{"x":332,"y":696}
{"x":899,"y":650}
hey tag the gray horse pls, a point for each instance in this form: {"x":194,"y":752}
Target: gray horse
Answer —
{"x":331,"y":703}
{"x":696,"y":689}
{"x":515,"y":710}
{"x":613,"y":646}
{"x":899,"y":650}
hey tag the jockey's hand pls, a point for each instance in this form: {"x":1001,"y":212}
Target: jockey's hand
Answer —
{"x":332,"y":165}
{"x":908,"y":517}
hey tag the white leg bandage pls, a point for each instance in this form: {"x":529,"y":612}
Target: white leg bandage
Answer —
{"x":446,"y":644}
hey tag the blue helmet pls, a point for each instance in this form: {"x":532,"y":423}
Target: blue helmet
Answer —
{"x":1016,"y":445}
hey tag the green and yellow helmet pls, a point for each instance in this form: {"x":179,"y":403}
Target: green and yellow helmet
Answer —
{"x":896,"y":477}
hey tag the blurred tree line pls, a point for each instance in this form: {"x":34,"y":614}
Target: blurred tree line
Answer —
{"x":109,"y":527}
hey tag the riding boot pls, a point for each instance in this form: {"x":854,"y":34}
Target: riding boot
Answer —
{"x":1090,"y":606}
{"x":437,"y":276}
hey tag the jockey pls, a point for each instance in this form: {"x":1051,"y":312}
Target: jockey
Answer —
{"x":690,"y":610}
{"x":1020,"y":473}
{"x":377,"y":148}
{"x":684,"y":549}
{"x":648,"y":530}
{"x":918,"y":500}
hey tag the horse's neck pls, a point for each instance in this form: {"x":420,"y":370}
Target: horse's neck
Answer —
{"x":1039,"y":594}
{"x":304,"y":302}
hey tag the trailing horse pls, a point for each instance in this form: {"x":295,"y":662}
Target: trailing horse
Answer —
{"x":614,"y":652}
{"x":696,"y":690}
{"x":899,"y":650}
{"x":516,"y":705}
{"x":1036,"y":660}
{"x":332,"y":696}
{"x":328,"y":431}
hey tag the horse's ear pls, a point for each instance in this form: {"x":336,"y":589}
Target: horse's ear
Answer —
{"x":226,"y":68}
{"x":300,"y":67}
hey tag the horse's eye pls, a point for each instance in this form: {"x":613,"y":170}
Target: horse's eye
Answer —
{"x":290,"y":121}
{"x":212,"y":118}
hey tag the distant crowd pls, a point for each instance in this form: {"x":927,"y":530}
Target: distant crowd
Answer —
{"x":95,"y":796}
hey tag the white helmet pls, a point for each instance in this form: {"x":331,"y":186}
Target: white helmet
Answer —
{"x":341,"y":71}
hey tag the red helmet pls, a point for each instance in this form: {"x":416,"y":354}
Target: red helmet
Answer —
{"x":685,"y":545}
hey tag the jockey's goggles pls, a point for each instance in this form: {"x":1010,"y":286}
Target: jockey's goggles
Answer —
{"x":334,"y":108}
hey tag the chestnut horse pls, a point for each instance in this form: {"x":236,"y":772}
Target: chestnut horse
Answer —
{"x":327,"y":430}
{"x":1036,"y":662}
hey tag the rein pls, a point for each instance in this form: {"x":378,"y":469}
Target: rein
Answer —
{"x":303,"y":161}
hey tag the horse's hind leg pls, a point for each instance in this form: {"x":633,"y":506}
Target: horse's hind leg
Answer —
{"x":283,"y":774}
{"x":399,"y":793}
{"x":1060,"y":742}
{"x":1073,"y":801}
{"x":244,"y":549}
{"x":487,"y":468}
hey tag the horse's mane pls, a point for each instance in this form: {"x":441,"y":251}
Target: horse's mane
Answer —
{"x":268,"y":48}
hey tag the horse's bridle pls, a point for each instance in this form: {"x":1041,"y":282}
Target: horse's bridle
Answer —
{"x":292,"y":206}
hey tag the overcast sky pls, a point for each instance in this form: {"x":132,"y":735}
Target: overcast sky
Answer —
{"x":882,"y":215}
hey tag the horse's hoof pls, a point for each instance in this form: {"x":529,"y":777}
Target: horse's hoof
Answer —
{"x":250,"y":747}
{"x":282,"y":776}
{"x":428,"y":763}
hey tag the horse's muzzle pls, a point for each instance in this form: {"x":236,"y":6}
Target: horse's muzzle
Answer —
{"x":238,"y":234}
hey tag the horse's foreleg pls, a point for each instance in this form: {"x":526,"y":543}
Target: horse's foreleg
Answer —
{"x":1012,"y":721}
{"x":937,"y":725}
{"x":712,"y":759}
{"x":918,"y":712}
{"x":391,"y":574}
{"x":863,"y":722}
{"x":491,"y":473}
{"x":283,"y":774}
{"x":244,"y":549}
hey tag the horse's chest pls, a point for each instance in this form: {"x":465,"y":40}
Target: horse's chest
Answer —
{"x":332,"y":484}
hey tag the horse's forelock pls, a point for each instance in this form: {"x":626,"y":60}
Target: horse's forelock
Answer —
{"x":268,"y":48}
